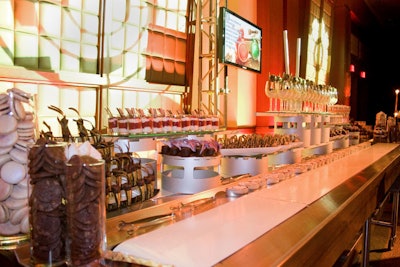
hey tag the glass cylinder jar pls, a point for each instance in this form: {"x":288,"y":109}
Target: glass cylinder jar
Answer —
{"x":186,"y":123}
{"x":194,"y":123}
{"x":209,"y":125}
{"x":167,"y":124}
{"x":176,"y":124}
{"x":147,"y":124}
{"x":17,"y":107}
{"x":86,"y":211}
{"x":157,"y":124}
{"x":215,"y":122}
{"x":202,"y":123}
{"x":112,"y":125}
{"x":122,"y":126}
{"x":135,"y":125}
{"x":47,"y":203}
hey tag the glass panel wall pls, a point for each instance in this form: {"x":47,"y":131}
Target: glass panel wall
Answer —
{"x":57,"y":51}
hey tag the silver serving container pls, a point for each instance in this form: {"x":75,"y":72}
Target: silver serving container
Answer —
{"x":189,"y":175}
{"x":247,"y":164}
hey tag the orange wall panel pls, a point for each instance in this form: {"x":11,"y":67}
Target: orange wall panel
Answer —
{"x":274,"y":17}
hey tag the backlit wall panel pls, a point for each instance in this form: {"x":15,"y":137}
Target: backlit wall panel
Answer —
{"x":61,"y":36}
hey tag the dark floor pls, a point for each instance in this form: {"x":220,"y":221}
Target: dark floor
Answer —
{"x":380,"y":255}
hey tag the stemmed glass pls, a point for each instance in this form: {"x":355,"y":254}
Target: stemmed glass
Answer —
{"x":298,"y":92}
{"x":271,"y":90}
{"x":292,"y":94}
{"x":284,"y":92}
{"x":327,"y":97}
{"x":333,"y":95}
{"x":308,"y":96}
{"x":303,"y":94}
{"x":314,"y":98}
{"x":320,"y":98}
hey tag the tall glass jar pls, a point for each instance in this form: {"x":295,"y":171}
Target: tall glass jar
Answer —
{"x":86,"y":211}
{"x":17,"y":107}
{"x":47,"y":203}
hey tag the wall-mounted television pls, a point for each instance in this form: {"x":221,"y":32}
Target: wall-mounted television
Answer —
{"x":239,"y":41}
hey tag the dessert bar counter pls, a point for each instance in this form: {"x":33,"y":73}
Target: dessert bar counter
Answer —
{"x":340,"y":197}
{"x":311,"y":218}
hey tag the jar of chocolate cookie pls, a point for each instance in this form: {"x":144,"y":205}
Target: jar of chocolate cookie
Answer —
{"x":86,"y":210}
{"x":47,"y":203}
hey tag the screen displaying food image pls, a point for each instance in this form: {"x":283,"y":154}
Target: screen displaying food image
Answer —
{"x":240,"y":41}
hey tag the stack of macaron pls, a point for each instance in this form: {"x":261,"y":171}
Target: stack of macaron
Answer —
{"x":17,"y":132}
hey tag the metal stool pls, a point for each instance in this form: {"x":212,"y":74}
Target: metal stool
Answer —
{"x":392,"y":224}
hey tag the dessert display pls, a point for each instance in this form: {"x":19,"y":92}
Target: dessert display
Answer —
{"x":338,"y":132}
{"x":47,"y":206}
{"x":122,"y":123}
{"x":85,"y":209}
{"x":251,"y":153}
{"x":393,"y":130}
{"x":158,"y":121}
{"x":358,"y":132}
{"x":380,"y":128}
{"x":341,"y":114}
{"x":129,"y":180}
{"x":73,"y":212}
{"x":126,"y":182}
{"x":353,"y":129}
{"x":16,"y":135}
{"x":67,"y":203}
{"x":256,"y":140}
{"x":68,"y":200}
{"x":190,"y":147}
{"x":189,"y":164}
{"x":66,"y":134}
{"x":257,"y":144}
{"x":134,"y":122}
{"x":281,"y":173}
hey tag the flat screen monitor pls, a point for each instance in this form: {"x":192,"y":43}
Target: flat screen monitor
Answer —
{"x":239,"y":41}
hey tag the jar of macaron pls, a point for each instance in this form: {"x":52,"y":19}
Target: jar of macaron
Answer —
{"x":17,"y":133}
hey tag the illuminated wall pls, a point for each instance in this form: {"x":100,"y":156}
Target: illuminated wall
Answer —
{"x":242,"y":83}
{"x":54,"y":50}
{"x":319,"y":46}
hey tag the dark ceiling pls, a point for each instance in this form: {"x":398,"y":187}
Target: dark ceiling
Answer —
{"x":387,"y":12}
{"x":376,"y":24}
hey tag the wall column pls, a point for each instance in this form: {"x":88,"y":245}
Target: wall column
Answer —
{"x":340,"y":63}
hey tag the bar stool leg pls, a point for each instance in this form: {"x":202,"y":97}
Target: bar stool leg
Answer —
{"x":366,"y":243}
{"x":395,"y":216}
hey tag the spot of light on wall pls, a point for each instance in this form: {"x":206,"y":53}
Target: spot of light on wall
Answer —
{"x":363,"y":74}
{"x":352,"y":68}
